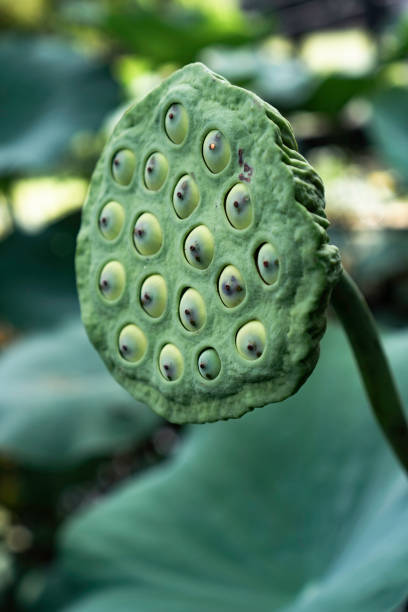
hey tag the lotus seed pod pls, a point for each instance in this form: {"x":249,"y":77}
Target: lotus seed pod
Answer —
{"x":176,"y":123}
{"x":112,"y":280}
{"x":268,"y":263}
{"x":147,"y":234}
{"x":282,"y":315}
{"x":238,"y":206}
{"x":171,"y":362}
{"x":231,"y":286}
{"x":251,"y":340}
{"x":216,"y":151}
{"x":153,"y":295}
{"x":209,"y":364}
{"x":185,"y":196}
{"x":123,"y":166}
{"x":156,"y":171}
{"x":199,"y":247}
{"x":192,"y":310}
{"x":111,"y":220}
{"x":132,"y":343}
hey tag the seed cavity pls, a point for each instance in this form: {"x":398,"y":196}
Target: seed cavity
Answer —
{"x":216,"y":151}
{"x":112,"y":280}
{"x":171,"y":362}
{"x":185,"y":196}
{"x":238,"y":206}
{"x":250,"y":340}
{"x":176,"y":123}
{"x":147,"y":234}
{"x":132,"y":343}
{"x":199,"y":247}
{"x":153,"y":295}
{"x":123,"y":166}
{"x":111,"y":220}
{"x":268,"y":263}
{"x":156,"y":171}
{"x":231,"y":286}
{"x":209,"y":364}
{"x":192,"y":310}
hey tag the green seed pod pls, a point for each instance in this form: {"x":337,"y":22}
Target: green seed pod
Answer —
{"x":268,"y":263}
{"x":123,"y":166}
{"x":112,"y":281}
{"x":147,"y":234}
{"x":111,"y":220}
{"x":153,"y":295}
{"x":199,"y":247}
{"x":281,"y":314}
{"x":192,"y":310}
{"x":185,"y":196}
{"x":231,"y":286}
{"x":156,"y":171}
{"x":216,"y":151}
{"x":132,"y":343}
{"x":171,"y":362}
{"x":251,"y":340}
{"x":176,"y":123}
{"x":209,"y":364}
{"x":238,"y":206}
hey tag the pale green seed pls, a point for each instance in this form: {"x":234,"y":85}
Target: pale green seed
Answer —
{"x":112,"y":280}
{"x":238,"y":206}
{"x":153,"y":295}
{"x":171,"y":362}
{"x":156,"y":171}
{"x":268,"y":263}
{"x":250,"y":340}
{"x":199,"y":247}
{"x":216,"y":151}
{"x":185,"y":196}
{"x":176,"y":123}
{"x":111,"y":220}
{"x":192,"y":310}
{"x":209,"y":364}
{"x":231,"y":286}
{"x":123,"y":166}
{"x":147,"y":234}
{"x":132,"y":343}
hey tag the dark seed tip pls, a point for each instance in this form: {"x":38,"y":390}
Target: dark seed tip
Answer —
{"x":266,"y":263}
{"x":250,"y":347}
{"x":202,"y":366}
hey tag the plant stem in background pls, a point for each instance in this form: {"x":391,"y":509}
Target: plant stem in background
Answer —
{"x":353,"y":312}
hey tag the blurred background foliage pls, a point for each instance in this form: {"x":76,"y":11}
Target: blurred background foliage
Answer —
{"x":68,"y":69}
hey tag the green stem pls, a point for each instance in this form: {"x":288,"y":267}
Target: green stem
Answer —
{"x":381,"y":389}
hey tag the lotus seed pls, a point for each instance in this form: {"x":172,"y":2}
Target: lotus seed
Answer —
{"x":199,"y":247}
{"x":250,"y":340}
{"x":156,"y":171}
{"x":147,"y":234}
{"x":176,"y":123}
{"x":111,"y":220}
{"x":112,"y":280}
{"x":238,"y":206}
{"x":192,"y":310}
{"x":268,"y":263}
{"x":209,"y":364}
{"x":216,"y":151}
{"x":185,"y":196}
{"x":153,"y":295}
{"x":231,"y":286}
{"x":132,"y":343}
{"x":171,"y":362}
{"x":123,"y":166}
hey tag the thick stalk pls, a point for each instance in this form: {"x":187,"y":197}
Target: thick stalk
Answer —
{"x":380,"y":386}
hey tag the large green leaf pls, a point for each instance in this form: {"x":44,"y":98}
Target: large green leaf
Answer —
{"x":48,"y":93}
{"x":389,"y":128}
{"x":297,"y":507}
{"x":59,"y":405}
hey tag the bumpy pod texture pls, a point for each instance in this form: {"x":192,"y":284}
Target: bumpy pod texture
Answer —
{"x":264,"y":331}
